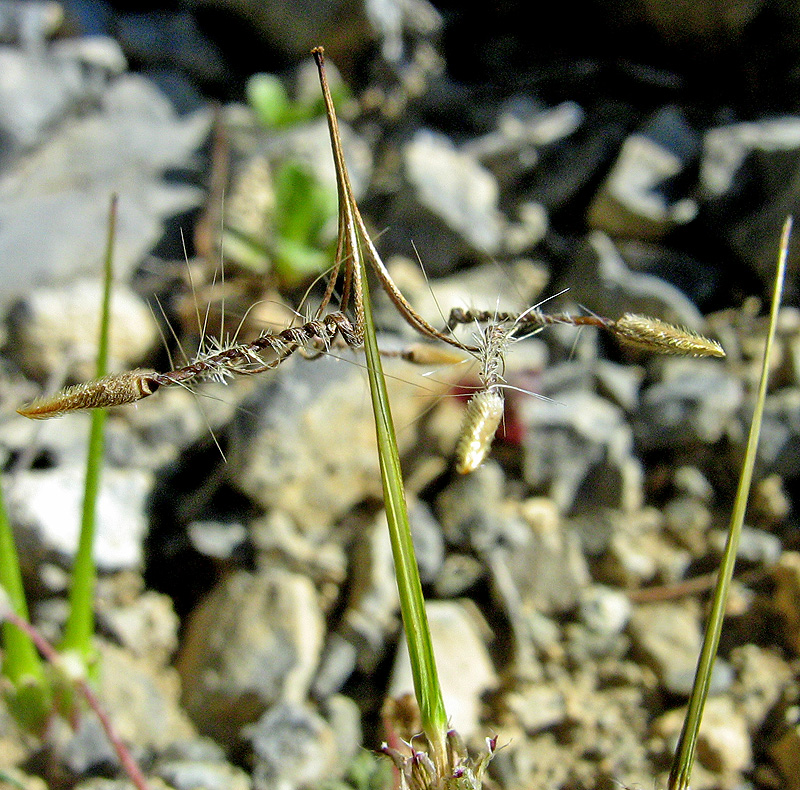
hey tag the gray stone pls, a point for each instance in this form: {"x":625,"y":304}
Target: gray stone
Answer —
{"x":638,"y":552}
{"x":687,"y":520}
{"x":763,"y":678}
{"x":450,"y":207}
{"x":46,"y":505}
{"x":465,"y":669}
{"x":37,"y":91}
{"x":539,"y":557}
{"x":771,"y":149}
{"x":630,"y":203}
{"x":304,"y":441}
{"x":756,"y":546}
{"x":55,"y":331}
{"x":147,"y":626}
{"x":690,"y":481}
{"x":29,"y":24}
{"x":217,"y":540}
{"x":372,"y":612}
{"x":780,"y":433}
{"x":600,"y":279}
{"x":579,"y":450}
{"x":253,"y":642}
{"x":604,"y":610}
{"x":202,"y":775}
{"x":54,"y":203}
{"x":278,"y":540}
{"x":619,"y":383}
{"x":668,"y":637}
{"x":723,"y":743}
{"x":458,"y":573}
{"x":536,"y":707}
{"x":293,"y":747}
{"x":142,"y":703}
{"x":694,"y":403}
{"x":469,"y":505}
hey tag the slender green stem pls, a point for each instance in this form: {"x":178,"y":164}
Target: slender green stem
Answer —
{"x":680,"y":772}
{"x":412,"y":603}
{"x":80,"y":621}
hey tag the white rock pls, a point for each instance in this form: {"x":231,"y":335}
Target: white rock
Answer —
{"x":463,"y":663}
{"x":45,"y":506}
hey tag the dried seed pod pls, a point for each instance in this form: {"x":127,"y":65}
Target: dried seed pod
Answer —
{"x":659,"y":337}
{"x":481,"y":419}
{"x":116,"y":389}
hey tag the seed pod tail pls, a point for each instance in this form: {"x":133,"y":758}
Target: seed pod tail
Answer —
{"x":114,"y":390}
{"x":659,"y":337}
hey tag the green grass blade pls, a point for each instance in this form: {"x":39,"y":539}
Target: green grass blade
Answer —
{"x":29,"y":699}
{"x":412,"y":603}
{"x":680,"y":772}
{"x":80,"y":621}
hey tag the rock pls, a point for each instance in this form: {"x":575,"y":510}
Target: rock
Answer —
{"x":780,"y":432}
{"x":603,"y":610}
{"x":54,"y":332}
{"x":253,"y":642}
{"x":202,"y":775}
{"x":372,"y":611}
{"x":523,"y":126}
{"x":540,"y":558}
{"x":762,"y":680}
{"x":29,"y":24}
{"x":756,"y":547}
{"x":771,"y":150}
{"x":147,"y":627}
{"x":723,"y":743}
{"x":217,"y":540}
{"x":46,"y":506}
{"x":694,"y":403}
{"x":393,"y":21}
{"x":668,"y":637}
{"x":787,"y":597}
{"x":536,"y":707}
{"x":690,"y":481}
{"x":37,"y":91}
{"x":578,"y":449}
{"x":687,"y":520}
{"x":278,"y":540}
{"x":164,"y":39}
{"x":287,"y":440}
{"x":492,"y":286}
{"x":290,"y":36}
{"x":465,"y":669}
{"x":450,"y":207}
{"x":54,"y":204}
{"x":619,"y":383}
{"x":600,"y":279}
{"x":458,"y":573}
{"x":142,"y":703}
{"x":632,"y":202}
{"x":293,"y":747}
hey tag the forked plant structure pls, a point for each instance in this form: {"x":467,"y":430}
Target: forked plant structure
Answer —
{"x":333,"y":323}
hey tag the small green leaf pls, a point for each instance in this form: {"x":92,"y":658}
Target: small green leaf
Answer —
{"x":267,"y":97}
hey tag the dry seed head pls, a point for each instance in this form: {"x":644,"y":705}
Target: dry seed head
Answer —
{"x":481,"y":419}
{"x":659,"y":337}
{"x":114,"y":390}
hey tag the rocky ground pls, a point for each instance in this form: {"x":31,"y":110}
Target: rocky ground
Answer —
{"x":247,"y":609}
